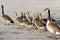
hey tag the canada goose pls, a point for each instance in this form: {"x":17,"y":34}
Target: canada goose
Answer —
{"x":51,"y":26}
{"x":44,"y":20}
{"x":27,"y":23}
{"x":38,"y":23}
{"x":19,"y":19}
{"x":30,"y":18}
{"x":24,"y":16}
{"x":6,"y":18}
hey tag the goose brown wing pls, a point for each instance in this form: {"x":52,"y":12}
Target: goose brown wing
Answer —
{"x":54,"y":26}
{"x":6,"y":17}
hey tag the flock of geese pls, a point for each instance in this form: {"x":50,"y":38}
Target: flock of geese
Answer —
{"x":36,"y":20}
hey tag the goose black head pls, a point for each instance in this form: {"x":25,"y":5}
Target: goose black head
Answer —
{"x":46,"y":9}
{"x":2,"y":6}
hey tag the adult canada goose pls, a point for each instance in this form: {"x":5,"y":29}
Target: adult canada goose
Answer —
{"x":51,"y":26}
{"x":19,"y":19}
{"x":38,"y":23}
{"x":6,"y":18}
{"x":44,"y":20}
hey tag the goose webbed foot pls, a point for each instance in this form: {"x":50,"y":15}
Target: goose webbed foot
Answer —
{"x":8,"y":24}
{"x":49,"y":36}
{"x":53,"y":36}
{"x":36,"y":28}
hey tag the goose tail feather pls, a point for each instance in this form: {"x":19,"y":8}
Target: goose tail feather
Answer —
{"x":57,"y":32}
{"x":12,"y":21}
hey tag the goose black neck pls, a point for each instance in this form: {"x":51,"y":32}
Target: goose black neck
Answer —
{"x":48,"y":14}
{"x":2,"y":9}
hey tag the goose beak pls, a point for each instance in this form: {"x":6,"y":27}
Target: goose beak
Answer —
{"x":46,"y":9}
